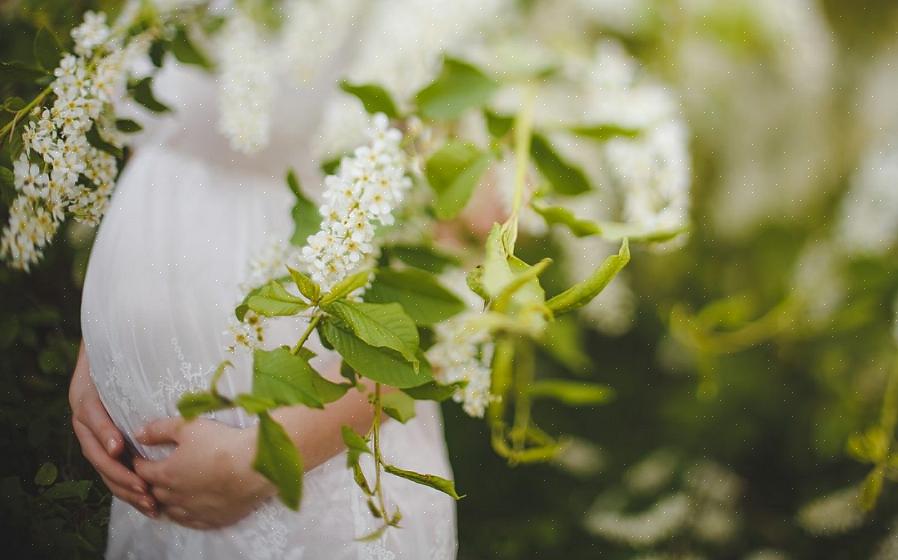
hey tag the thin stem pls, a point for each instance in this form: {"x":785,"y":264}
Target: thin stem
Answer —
{"x":11,"y":125}
{"x":378,"y":458}
{"x":524,"y":374}
{"x":305,"y":336}
{"x":523,"y":133}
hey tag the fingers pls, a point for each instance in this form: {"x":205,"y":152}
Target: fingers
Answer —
{"x":154,"y":472}
{"x":182,"y":517}
{"x":93,"y":414}
{"x":141,"y":502}
{"x":108,"y":467}
{"x":166,"y":430}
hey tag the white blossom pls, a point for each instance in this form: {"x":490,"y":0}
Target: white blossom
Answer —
{"x":368,"y":186}
{"x":463,"y":352}
{"x":833,"y":514}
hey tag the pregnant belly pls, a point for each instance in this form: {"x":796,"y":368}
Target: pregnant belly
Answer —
{"x":163,"y":279}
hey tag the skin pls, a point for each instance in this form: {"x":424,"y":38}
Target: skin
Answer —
{"x":207,"y":482}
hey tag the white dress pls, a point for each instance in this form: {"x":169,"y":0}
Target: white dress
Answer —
{"x":186,"y":218}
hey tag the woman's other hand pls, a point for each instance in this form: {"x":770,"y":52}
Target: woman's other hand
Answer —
{"x":207,"y":482}
{"x":102,"y":443}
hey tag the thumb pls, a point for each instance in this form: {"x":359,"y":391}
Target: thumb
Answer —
{"x":162,"y":431}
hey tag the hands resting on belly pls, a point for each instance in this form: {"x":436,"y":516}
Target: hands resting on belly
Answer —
{"x":207,"y":482}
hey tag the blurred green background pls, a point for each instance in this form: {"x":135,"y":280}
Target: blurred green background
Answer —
{"x":755,"y":353}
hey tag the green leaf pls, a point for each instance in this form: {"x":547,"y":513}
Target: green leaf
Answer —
{"x":157,"y":52}
{"x":573,"y":393}
{"x":128,"y":126}
{"x":278,"y":460}
{"x":47,"y":50}
{"x":564,"y":177}
{"x":68,"y":490}
{"x":240,"y":310}
{"x":398,"y":406}
{"x":7,"y":178}
{"x":273,"y":300}
{"x":559,"y":215}
{"x":346,"y":286}
{"x":562,"y":340}
{"x":384,"y":325}
{"x":331,"y":166}
{"x":424,"y":257}
{"x":142,"y":92}
{"x":603,"y":132}
{"x":525,"y":283}
{"x":185,"y":51}
{"x":454,"y":171}
{"x":580,"y":294}
{"x":872,"y":488}
{"x":431,"y":480}
{"x":11,"y":72}
{"x":355,"y":445}
{"x":254,"y":404}
{"x":378,"y":364}
{"x":306,"y":285}
{"x":46,"y":475}
{"x":418,"y":292}
{"x":496,"y":272}
{"x":348,"y":373}
{"x":635,"y":232}
{"x":306,"y":218}
{"x":374,"y":98}
{"x":498,"y":125}
{"x":433,"y":391}
{"x":191,"y":405}
{"x":286,"y":379}
{"x":98,"y":142}
{"x":459,"y":87}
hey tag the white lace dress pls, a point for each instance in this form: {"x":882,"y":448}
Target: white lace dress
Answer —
{"x":186,"y":218}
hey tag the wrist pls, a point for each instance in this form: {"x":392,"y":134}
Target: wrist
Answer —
{"x":251,"y":481}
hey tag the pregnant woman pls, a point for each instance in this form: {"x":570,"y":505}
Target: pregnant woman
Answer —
{"x":187,"y":217}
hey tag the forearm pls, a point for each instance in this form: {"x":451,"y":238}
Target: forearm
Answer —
{"x":316,"y":432}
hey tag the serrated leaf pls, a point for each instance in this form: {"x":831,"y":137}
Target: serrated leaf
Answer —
{"x":434,"y":391}
{"x":603,"y":132}
{"x":374,"y":98}
{"x":142,"y":92}
{"x":437,"y":483}
{"x":419,"y":293}
{"x":273,"y":300}
{"x":278,"y":460}
{"x":286,"y":379}
{"x":573,"y":393}
{"x":47,"y":50}
{"x":562,"y":216}
{"x":185,"y":51}
{"x":306,"y":218}
{"x":564,"y":177}
{"x":460,"y":86}
{"x":384,"y":325}
{"x":398,"y":406}
{"x":582,"y":293}
{"x":454,"y":171}
{"x":346,"y":286}
{"x":46,"y":474}
{"x":382,"y":365}
{"x":355,"y":445}
{"x":191,"y":405}
{"x":128,"y":126}
{"x":306,"y":285}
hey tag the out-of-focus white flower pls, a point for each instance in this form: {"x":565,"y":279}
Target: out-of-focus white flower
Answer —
{"x":579,"y":457}
{"x":92,"y":33}
{"x":368,"y":186}
{"x":833,"y":514}
{"x":659,"y":521}
{"x":817,"y":280}
{"x":463,"y":351}
{"x":868,"y":216}
{"x":247,"y":85}
{"x":313,"y":31}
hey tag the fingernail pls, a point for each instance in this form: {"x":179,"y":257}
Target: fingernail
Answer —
{"x":146,"y":505}
{"x":110,"y":445}
{"x":137,"y":488}
{"x":139,"y":434}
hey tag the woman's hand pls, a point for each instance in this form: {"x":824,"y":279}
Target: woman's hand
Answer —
{"x":102,"y":443}
{"x":207,"y":482}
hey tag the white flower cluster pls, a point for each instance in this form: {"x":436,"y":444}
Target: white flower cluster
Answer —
{"x":463,"y":351}
{"x":247,"y":85}
{"x":833,"y":514}
{"x":368,"y":186}
{"x":59,"y":171}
